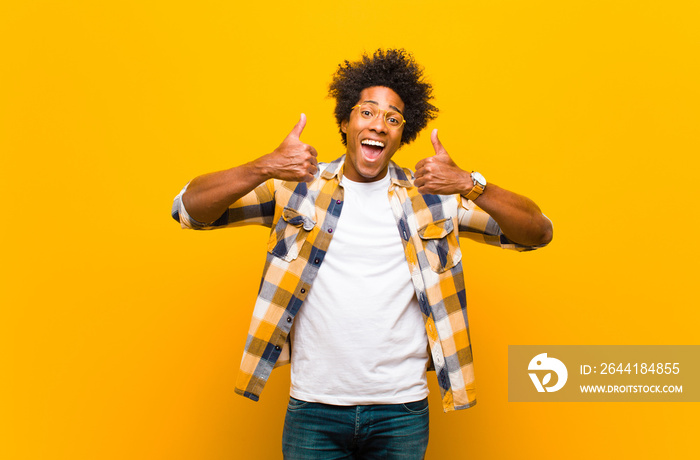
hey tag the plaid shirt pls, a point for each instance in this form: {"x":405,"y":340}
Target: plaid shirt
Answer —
{"x":302,"y":217}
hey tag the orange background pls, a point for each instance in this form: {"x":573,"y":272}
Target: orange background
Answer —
{"x":122,"y":334}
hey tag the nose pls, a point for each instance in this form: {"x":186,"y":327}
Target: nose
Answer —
{"x":378,"y":124}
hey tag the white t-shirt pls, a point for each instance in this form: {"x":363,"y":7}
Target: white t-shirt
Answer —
{"x":359,"y":337}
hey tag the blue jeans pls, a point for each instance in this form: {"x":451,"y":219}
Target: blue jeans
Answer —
{"x":315,"y":431}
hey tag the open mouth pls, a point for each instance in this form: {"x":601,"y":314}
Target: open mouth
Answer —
{"x":371,"y":149}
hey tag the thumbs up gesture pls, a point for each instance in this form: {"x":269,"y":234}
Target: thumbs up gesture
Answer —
{"x":292,"y":160}
{"x":439,"y":175}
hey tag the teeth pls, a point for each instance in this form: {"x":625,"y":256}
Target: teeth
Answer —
{"x":371,"y":142}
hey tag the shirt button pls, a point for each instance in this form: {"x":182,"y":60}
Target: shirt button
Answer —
{"x":278,"y":348}
{"x":317,"y":260}
{"x":289,"y":319}
{"x":337,"y":201}
{"x":302,"y":290}
{"x":330,"y":230}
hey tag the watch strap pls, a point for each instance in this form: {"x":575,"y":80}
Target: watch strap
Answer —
{"x":478,"y":187}
{"x":475,"y":192}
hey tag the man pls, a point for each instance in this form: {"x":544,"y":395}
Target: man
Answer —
{"x":364,"y":261}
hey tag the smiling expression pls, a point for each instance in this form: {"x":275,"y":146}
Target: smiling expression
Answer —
{"x":370,"y":143}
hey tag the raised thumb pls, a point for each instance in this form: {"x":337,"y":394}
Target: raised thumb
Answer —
{"x":299,"y":127}
{"x":437,"y":145}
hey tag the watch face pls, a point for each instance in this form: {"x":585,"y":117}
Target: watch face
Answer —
{"x":479,"y":179}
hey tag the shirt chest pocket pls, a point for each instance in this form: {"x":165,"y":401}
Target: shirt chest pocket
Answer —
{"x":441,"y":244}
{"x":289,"y":234}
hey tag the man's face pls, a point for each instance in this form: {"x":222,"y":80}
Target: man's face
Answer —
{"x":371,"y":143}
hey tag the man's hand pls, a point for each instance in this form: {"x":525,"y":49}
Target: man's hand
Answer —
{"x":208,"y":196}
{"x":519,"y":217}
{"x":293,"y":160}
{"x":440,"y":175}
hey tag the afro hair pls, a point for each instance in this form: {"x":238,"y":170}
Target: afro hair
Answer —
{"x":395,"y":69}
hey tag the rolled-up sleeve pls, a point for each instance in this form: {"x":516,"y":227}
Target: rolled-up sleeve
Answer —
{"x":255,"y":208}
{"x":479,"y":226}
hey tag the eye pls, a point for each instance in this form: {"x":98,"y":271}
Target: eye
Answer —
{"x":393,"y":120}
{"x":366,"y":113}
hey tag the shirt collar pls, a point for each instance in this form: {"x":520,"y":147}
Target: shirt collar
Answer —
{"x":396,"y":173}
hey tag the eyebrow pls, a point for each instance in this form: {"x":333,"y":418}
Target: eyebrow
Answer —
{"x":377,"y":103}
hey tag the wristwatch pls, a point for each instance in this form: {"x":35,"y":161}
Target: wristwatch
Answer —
{"x":478,"y":188}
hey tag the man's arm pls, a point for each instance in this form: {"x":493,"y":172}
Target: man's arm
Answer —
{"x":519,"y":217}
{"x":208,"y":196}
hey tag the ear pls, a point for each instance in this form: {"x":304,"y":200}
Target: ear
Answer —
{"x":344,"y":126}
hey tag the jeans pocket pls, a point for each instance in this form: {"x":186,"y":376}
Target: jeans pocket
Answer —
{"x":416,"y":407}
{"x":295,"y":404}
